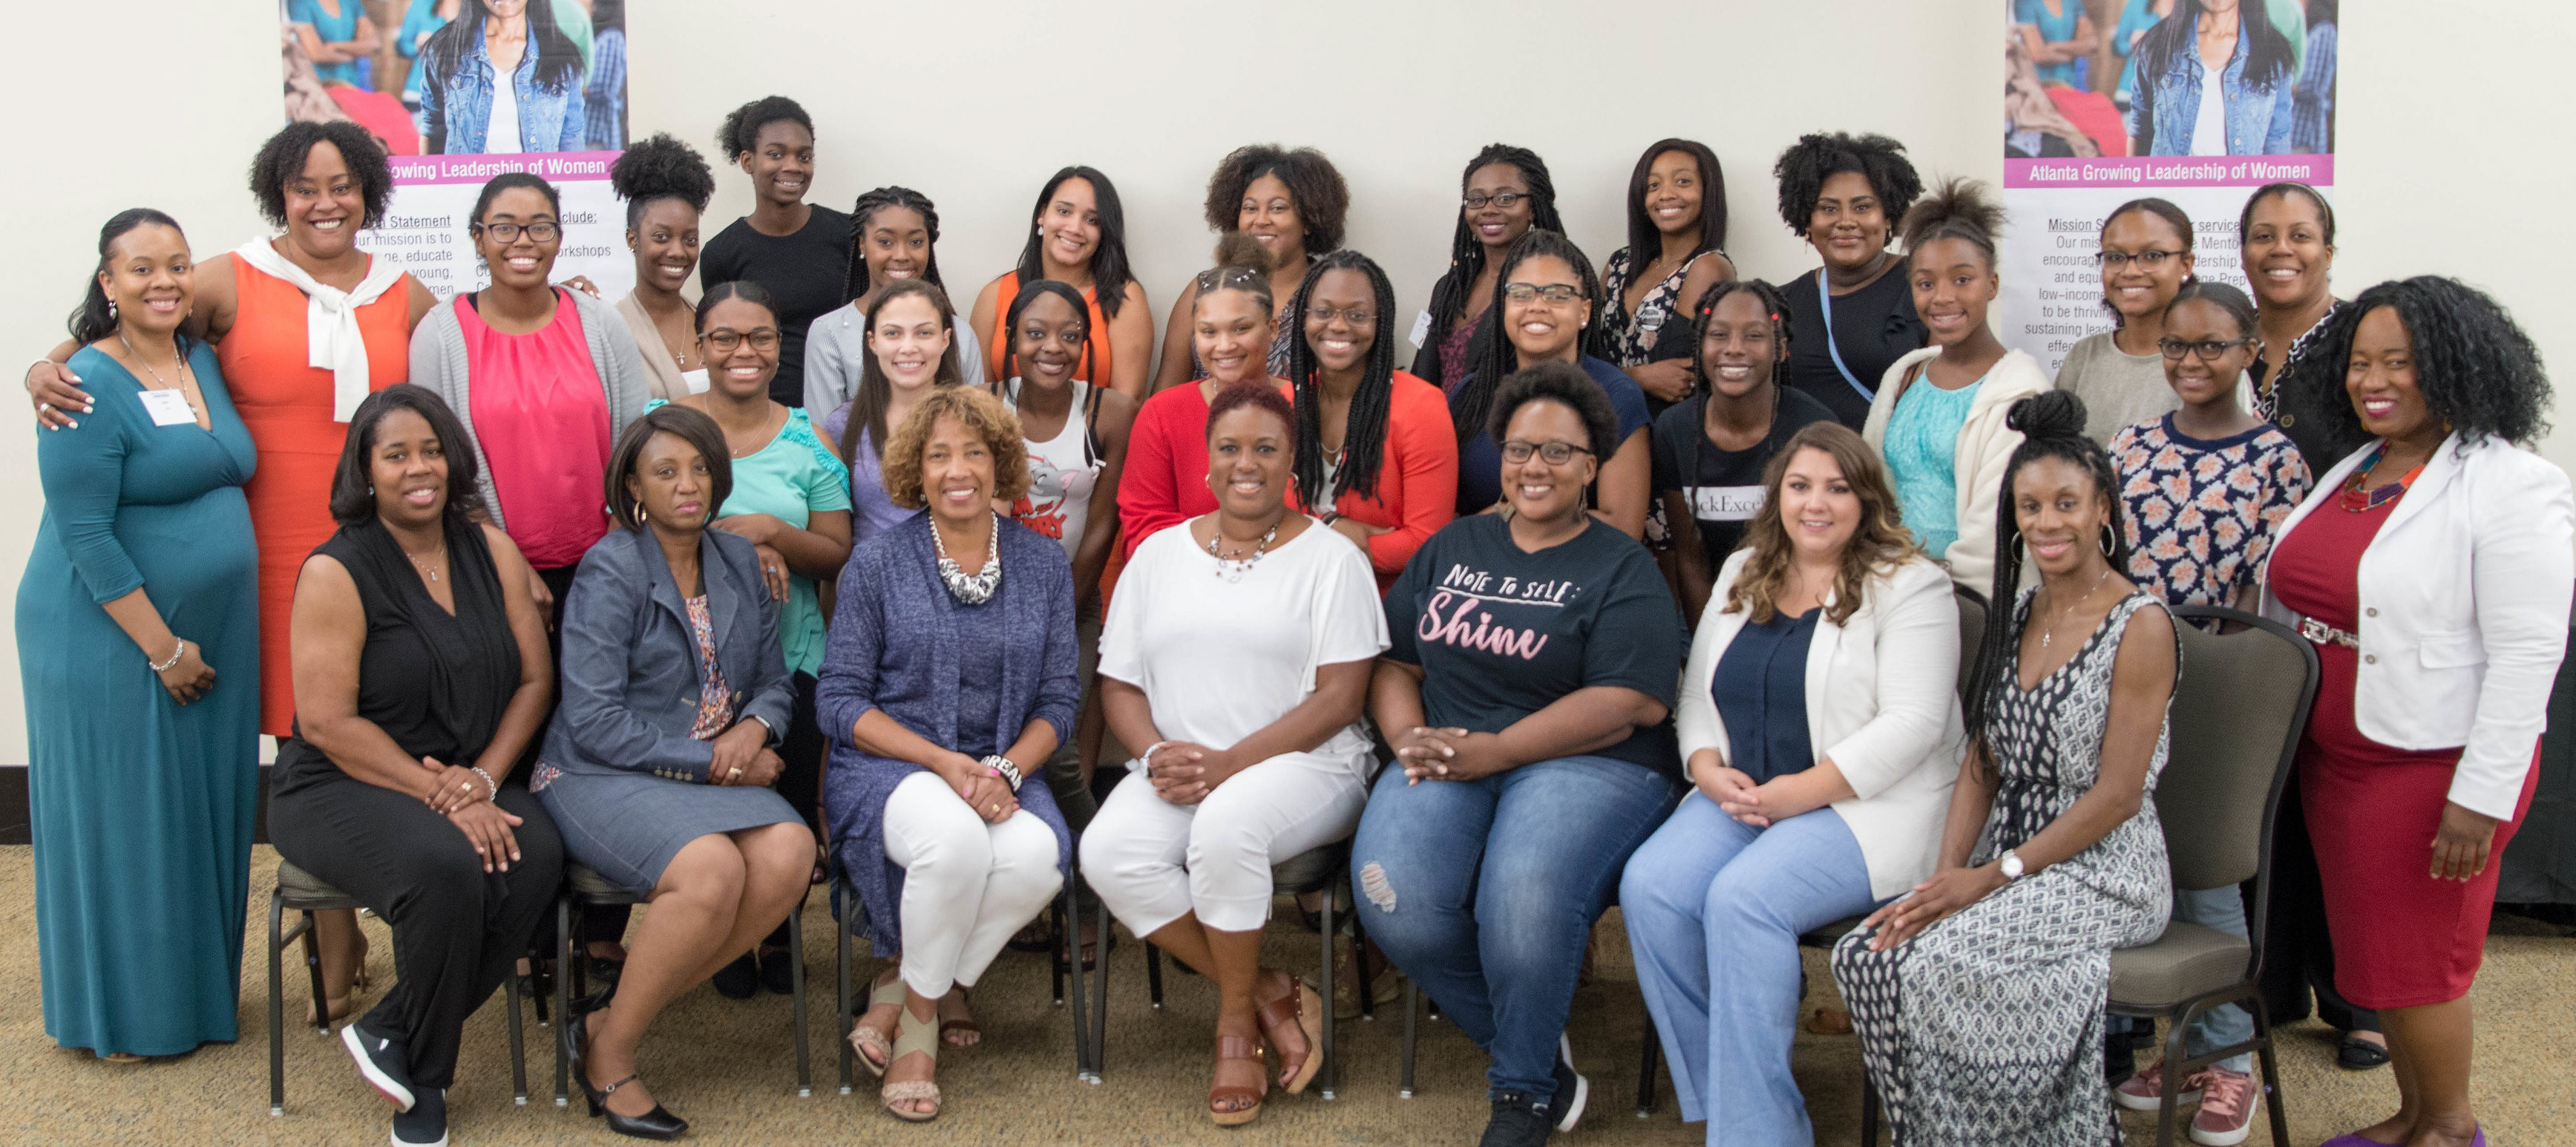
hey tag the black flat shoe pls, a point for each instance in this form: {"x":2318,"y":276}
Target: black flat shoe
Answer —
{"x":658,"y":1123}
{"x":2358,"y":1054}
{"x":778,"y":972}
{"x":425,"y":1125}
{"x":739,"y":980}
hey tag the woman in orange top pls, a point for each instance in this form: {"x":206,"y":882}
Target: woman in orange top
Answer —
{"x":1376,"y":440}
{"x":1078,"y":236}
{"x":306,"y":325}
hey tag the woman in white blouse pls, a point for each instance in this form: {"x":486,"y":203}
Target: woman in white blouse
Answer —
{"x":1238,"y":650}
{"x":1819,"y":720}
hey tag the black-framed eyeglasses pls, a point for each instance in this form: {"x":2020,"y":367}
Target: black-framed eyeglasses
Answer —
{"x":1502,"y":199}
{"x":1356,"y":316}
{"x":1552,"y":292}
{"x":541,"y":231}
{"x":2119,"y":260}
{"x":2209,"y":350}
{"x":722,"y":341}
{"x":1516,"y":451}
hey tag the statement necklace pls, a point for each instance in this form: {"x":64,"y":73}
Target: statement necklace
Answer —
{"x":1233,"y":569}
{"x":978,"y":589}
{"x":2358,"y":499}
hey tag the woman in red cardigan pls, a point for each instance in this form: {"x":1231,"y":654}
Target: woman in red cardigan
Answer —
{"x":1231,"y":327}
{"x":1374,"y":440}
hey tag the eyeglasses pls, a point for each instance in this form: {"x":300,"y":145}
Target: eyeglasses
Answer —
{"x":541,"y":231}
{"x":1355,"y":316}
{"x":1552,"y":292}
{"x":1504,"y":200}
{"x":2119,"y":260}
{"x":722,"y":341}
{"x":1555,"y":453}
{"x":2207,"y":349}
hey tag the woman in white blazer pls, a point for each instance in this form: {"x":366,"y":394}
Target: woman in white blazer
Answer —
{"x":1938,"y":419}
{"x":1819,"y":722}
{"x":2432,"y":570}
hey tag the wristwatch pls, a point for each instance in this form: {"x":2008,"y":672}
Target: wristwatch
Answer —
{"x":2011,"y":865}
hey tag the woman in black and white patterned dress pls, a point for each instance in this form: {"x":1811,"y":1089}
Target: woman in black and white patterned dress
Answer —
{"x":1978,"y":996}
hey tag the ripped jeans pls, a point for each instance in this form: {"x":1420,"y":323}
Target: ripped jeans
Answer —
{"x":1485,"y":892}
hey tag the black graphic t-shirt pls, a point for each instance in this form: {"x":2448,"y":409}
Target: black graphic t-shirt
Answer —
{"x":1501,"y":634}
{"x":1722,"y":487}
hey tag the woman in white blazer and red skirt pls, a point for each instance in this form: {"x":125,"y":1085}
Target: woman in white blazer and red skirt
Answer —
{"x":1819,"y":723}
{"x":2433,"y":571}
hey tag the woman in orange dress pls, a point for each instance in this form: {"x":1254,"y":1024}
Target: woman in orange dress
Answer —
{"x":306,"y":325}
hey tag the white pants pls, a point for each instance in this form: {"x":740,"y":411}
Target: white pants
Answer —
{"x":1153,"y":861}
{"x":968,"y":886}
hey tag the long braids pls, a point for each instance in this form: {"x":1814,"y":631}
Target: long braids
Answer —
{"x":1490,"y":353}
{"x":855,"y":285}
{"x":1364,"y":429}
{"x":1467,"y":253}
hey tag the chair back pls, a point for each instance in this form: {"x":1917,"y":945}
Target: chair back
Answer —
{"x":1972,"y":632}
{"x":2237,"y":714}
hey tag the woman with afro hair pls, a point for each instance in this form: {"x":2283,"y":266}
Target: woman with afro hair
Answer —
{"x":666,"y":185}
{"x":1852,"y":318}
{"x":1292,"y":202}
{"x":2431,"y":571}
{"x":320,"y":184}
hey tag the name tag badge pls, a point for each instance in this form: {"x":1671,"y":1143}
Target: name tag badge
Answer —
{"x":1650,"y":318}
{"x":695,"y":380}
{"x":168,"y":408}
{"x":1421,"y":329}
{"x":1725,"y":503}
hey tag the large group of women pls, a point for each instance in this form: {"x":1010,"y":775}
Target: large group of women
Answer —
{"x":1637,"y":588}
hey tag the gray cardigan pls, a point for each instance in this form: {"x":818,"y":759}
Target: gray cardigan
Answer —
{"x":438,"y":361}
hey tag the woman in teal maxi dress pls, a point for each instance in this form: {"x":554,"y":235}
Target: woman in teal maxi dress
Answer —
{"x":141,"y":808}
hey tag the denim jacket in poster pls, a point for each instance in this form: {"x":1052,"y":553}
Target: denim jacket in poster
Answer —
{"x":455,"y":113}
{"x":2258,"y":117}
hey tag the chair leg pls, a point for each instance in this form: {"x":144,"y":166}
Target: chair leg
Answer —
{"x":276,"y":1005}
{"x":1154,"y":975}
{"x":313,"y":969}
{"x":1068,"y":915}
{"x":1412,"y":1009}
{"x":842,"y":999}
{"x":518,"y":1044}
{"x":1100,"y":992}
{"x":1647,"y":1061}
{"x":1332,"y":928}
{"x":2271,"y":1070}
{"x":796,"y":984}
{"x":2175,"y":1051}
{"x":1360,"y":965}
{"x":1055,"y":960}
{"x":563,"y":991}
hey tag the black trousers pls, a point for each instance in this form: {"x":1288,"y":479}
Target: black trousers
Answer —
{"x":2298,"y":952}
{"x":457,"y":929}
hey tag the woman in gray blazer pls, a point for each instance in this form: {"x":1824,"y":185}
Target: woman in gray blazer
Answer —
{"x":658,"y":763}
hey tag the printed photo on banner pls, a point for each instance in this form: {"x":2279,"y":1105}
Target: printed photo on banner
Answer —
{"x":460,"y":91}
{"x":2193,"y":102}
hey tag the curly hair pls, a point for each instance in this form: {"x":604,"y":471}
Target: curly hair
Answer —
{"x":689,"y":425}
{"x":281,"y":161}
{"x":990,"y":418}
{"x":855,"y":284}
{"x":1815,"y":158}
{"x":2052,"y":426}
{"x":1323,"y":201}
{"x":2479,"y":372}
{"x":1878,"y":544}
{"x":661,"y":167}
{"x":740,"y":134}
{"x":1962,"y":209}
{"x":1566,"y":385}
{"x":353,"y":493}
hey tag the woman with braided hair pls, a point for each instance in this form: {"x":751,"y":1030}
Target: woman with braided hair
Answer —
{"x":1504,"y":192}
{"x":1853,"y":316}
{"x":1375,"y":454}
{"x":666,"y":185}
{"x":894,"y":235}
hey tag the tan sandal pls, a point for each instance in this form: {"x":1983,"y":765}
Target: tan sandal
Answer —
{"x":1302,"y":1008}
{"x":912,"y":1035}
{"x":1235,"y":1047}
{"x":954,"y":1032}
{"x":865,"y":1036}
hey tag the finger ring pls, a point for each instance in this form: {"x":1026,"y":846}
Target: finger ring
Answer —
{"x":773,"y":569}
{"x":733,"y":772}
{"x":44,"y":408}
{"x":993,"y":808}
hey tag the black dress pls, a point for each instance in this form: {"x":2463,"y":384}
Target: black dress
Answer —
{"x":1872,"y":328}
{"x":806,"y":275}
{"x":437,"y":684}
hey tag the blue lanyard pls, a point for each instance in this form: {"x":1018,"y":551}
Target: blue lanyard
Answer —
{"x":1825,"y":299}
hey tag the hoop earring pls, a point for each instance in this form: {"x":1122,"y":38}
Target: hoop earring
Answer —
{"x":2110,"y":541}
{"x":639,"y":514}
{"x":2017,"y":556}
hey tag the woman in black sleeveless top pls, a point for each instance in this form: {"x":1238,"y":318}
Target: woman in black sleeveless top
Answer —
{"x":421,"y":673}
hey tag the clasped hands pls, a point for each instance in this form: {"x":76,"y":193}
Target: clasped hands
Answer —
{"x":460,"y":795}
{"x":980,"y":786}
{"x":1448,"y":754}
{"x":743,"y":757}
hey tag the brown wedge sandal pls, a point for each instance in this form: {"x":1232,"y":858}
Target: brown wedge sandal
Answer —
{"x":1301,"y":1008}
{"x":1235,"y":1047}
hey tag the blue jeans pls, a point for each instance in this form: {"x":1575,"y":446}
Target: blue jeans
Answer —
{"x":1714,"y":911}
{"x":2224,"y":910}
{"x":1486,"y":892}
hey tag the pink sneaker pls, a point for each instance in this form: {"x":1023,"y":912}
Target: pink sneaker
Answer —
{"x":2228,"y":1101}
{"x":2141,"y":1092}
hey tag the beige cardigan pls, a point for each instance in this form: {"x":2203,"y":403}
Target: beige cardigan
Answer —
{"x":1985,"y":446}
{"x":661,"y":375}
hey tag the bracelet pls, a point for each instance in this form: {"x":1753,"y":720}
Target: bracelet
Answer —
{"x":1003,"y":768}
{"x":491,"y":788}
{"x":1147,"y":757}
{"x":175,"y":655}
{"x":26,"y":377}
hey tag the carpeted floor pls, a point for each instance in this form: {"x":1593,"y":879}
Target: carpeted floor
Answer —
{"x":729,"y":1067}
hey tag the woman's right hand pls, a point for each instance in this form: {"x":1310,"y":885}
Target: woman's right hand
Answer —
{"x":57,"y":394}
{"x":487,"y":827}
{"x":735,"y":751}
{"x":190,"y":677}
{"x":1724,"y":787}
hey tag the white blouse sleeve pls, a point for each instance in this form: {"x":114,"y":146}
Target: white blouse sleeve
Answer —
{"x":1349,"y":620}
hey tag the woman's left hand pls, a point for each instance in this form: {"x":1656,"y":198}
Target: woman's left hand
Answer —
{"x":1932,"y":901}
{"x":582,"y":284}
{"x":1179,"y":772}
{"x":2460,"y":846}
{"x":734,"y":750}
{"x":1768,"y":803}
{"x":1669,"y":380}
{"x":458,"y":787}
{"x":773,"y":570}
{"x":991,"y":798}
{"x":1358,"y":532}
{"x":1453,"y":755}
{"x":761,"y":528}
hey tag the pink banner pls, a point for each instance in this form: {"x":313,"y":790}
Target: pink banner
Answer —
{"x":2171,"y":171}
{"x":555,"y":166}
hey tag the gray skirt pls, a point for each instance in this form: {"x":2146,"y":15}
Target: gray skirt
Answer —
{"x":629,"y":825}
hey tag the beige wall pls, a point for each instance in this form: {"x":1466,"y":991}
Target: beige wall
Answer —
{"x":162,"y":102}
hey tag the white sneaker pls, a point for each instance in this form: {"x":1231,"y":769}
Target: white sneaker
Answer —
{"x":1572,"y":1090}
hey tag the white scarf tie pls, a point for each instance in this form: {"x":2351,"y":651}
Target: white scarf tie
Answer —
{"x":330,"y":319}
